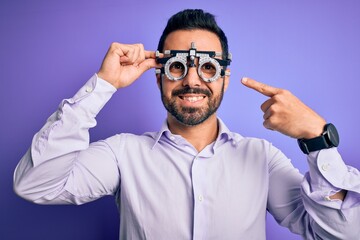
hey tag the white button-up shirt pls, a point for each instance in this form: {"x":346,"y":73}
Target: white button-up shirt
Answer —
{"x":166,"y":189}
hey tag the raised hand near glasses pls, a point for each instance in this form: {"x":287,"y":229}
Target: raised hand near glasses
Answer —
{"x":124,"y":63}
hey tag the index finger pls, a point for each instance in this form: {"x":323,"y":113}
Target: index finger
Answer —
{"x":151,"y":54}
{"x":262,"y":88}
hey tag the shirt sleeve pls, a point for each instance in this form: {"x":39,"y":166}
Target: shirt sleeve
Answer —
{"x":327,"y":175}
{"x":61,"y":166}
{"x":303,"y":204}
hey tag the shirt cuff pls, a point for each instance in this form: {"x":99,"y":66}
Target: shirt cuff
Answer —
{"x":91,"y":97}
{"x":327,"y":175}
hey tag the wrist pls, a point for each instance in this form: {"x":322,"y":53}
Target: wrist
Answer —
{"x":316,"y":131}
{"x":108,"y":78}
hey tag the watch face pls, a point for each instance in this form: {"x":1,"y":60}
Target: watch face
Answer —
{"x":332,"y":135}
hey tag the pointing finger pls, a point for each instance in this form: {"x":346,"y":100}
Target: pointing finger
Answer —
{"x":260,"y":87}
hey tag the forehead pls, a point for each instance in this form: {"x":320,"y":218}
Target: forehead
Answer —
{"x":182,"y":39}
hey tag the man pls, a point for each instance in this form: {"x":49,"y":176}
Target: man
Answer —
{"x":194,"y":179}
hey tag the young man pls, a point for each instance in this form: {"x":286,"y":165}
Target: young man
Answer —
{"x":194,"y":179}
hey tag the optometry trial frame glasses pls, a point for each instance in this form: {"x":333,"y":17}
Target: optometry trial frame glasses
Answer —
{"x":177,"y":62}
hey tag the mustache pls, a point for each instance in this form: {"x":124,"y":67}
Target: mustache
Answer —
{"x":186,"y":90}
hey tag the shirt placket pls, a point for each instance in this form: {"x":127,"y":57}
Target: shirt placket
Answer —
{"x":200,"y":199}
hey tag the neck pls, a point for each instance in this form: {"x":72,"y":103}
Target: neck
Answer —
{"x":199,"y":135}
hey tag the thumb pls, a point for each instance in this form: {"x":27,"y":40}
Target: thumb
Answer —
{"x":148,"y":64}
{"x":262,"y":88}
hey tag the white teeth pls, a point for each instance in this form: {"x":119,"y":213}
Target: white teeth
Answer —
{"x":193,"y":99}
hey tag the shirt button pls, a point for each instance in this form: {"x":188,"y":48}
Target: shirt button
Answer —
{"x":325,"y":167}
{"x":172,"y":138}
{"x":200,"y":198}
{"x":88,"y":89}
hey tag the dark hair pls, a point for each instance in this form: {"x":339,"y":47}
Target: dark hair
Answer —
{"x":191,"y":19}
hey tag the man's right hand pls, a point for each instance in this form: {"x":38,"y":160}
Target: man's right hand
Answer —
{"x":124,"y":63}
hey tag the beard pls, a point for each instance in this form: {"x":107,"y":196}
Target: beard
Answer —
{"x":192,"y":116}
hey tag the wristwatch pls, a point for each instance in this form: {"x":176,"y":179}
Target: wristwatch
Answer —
{"x":328,"y":139}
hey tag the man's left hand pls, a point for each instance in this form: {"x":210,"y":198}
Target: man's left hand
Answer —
{"x":285,"y":113}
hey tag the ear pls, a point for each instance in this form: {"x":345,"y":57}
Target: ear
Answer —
{"x":226,"y":79}
{"x":158,"y":79}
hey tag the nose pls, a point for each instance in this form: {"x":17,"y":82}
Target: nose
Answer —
{"x":192,"y":78}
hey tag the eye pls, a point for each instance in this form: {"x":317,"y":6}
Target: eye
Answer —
{"x":208,"y":68}
{"x":176,"y":67}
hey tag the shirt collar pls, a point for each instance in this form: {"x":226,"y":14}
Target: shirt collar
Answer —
{"x":224,"y":134}
{"x":164,"y":128}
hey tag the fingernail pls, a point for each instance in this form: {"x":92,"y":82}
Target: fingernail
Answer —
{"x":244,"y":79}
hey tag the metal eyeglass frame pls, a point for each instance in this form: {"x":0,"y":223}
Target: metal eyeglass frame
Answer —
{"x":182,"y":56}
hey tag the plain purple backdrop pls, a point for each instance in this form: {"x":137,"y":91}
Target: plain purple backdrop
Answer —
{"x":48,"y":49}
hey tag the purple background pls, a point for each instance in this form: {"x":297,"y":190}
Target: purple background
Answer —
{"x":48,"y":49}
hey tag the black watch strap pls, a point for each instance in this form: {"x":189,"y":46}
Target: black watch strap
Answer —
{"x":314,"y":144}
{"x":329,"y":138}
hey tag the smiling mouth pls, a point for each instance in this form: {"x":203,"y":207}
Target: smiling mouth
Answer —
{"x":192,"y":98}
